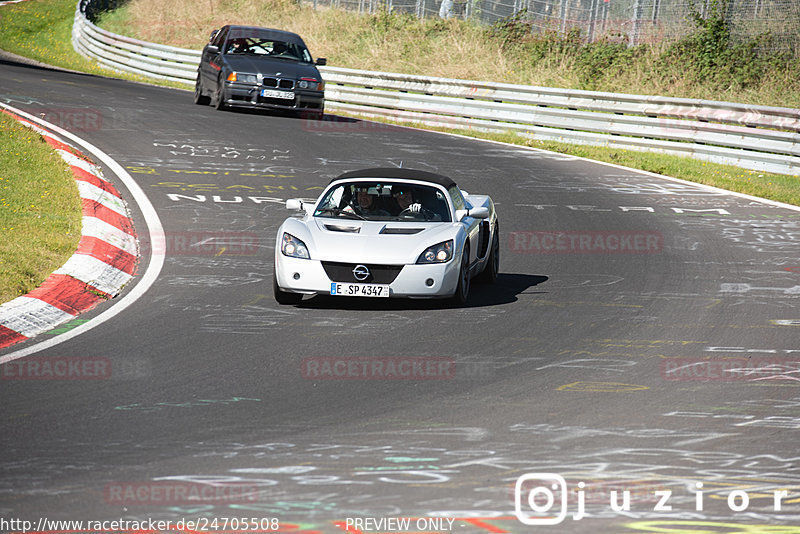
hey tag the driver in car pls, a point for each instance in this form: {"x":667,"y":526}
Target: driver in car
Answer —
{"x":237,"y":46}
{"x":404,"y":196}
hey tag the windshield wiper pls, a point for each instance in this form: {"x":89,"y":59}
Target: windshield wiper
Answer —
{"x":340,"y":211}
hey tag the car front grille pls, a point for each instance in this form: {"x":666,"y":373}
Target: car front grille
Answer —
{"x":278,"y":83}
{"x":379,"y":274}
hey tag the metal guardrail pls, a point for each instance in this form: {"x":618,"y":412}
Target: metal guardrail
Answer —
{"x":760,"y":138}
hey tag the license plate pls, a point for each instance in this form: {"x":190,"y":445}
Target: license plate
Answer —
{"x":272,"y":93}
{"x":359,"y":290}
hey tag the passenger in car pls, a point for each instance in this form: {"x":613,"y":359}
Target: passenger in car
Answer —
{"x":367,"y":203}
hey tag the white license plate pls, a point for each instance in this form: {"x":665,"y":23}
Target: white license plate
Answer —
{"x":359,"y":290}
{"x":272,"y":93}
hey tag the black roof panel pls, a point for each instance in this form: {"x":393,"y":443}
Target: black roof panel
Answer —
{"x":404,"y":174}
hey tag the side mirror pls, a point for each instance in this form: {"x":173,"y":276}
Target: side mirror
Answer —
{"x":481,"y":212}
{"x":212,"y":49}
{"x":321,"y":61}
{"x":294,"y":204}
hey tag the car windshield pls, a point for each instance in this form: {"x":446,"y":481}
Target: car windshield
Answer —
{"x":380,"y":201}
{"x":267,"y":47}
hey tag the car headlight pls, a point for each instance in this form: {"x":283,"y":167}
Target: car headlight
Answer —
{"x":243,"y":78}
{"x":311,"y":83}
{"x":293,"y":247}
{"x":441,"y":253}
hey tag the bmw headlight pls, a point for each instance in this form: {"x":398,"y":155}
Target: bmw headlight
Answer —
{"x":311,"y":83}
{"x":243,"y":78}
{"x":293,"y":247}
{"x":441,"y":253}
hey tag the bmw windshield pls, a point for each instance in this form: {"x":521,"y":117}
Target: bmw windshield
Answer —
{"x":256,"y":46}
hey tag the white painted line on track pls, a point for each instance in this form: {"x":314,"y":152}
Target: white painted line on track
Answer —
{"x":154,"y":228}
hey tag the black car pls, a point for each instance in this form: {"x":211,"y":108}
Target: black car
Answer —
{"x":247,"y":66}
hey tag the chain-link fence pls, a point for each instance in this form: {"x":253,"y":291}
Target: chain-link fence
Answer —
{"x":635,"y":21}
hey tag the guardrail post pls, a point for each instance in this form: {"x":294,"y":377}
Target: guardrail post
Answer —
{"x":656,"y":9}
{"x":635,"y":22}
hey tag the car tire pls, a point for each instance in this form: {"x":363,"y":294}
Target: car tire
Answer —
{"x":199,"y":98}
{"x":219,"y":95}
{"x":462,"y":289}
{"x":492,"y":267}
{"x":284,"y":297}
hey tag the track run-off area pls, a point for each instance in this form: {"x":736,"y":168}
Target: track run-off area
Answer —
{"x":639,"y":354}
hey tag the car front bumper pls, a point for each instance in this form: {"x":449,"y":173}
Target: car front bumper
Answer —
{"x":309,"y":277}
{"x":236,"y":94}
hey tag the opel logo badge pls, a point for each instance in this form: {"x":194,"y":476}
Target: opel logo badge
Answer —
{"x":361,"y":272}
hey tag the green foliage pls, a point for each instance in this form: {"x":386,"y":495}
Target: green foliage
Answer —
{"x":707,"y":60}
{"x":710,"y":57}
{"x":511,"y":30}
{"x":602,"y":59}
{"x":392,"y":21}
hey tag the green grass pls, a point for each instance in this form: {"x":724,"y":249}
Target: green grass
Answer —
{"x":40,"y":210}
{"x":42,"y":30}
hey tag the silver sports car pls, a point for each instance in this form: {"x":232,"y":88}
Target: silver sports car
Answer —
{"x":387,"y":233}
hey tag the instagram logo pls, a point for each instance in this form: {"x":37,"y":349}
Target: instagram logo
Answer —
{"x":540,"y":499}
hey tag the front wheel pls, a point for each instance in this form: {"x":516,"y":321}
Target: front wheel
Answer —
{"x":284,"y":297}
{"x":199,"y":98}
{"x":492,"y":267}
{"x":462,"y":290}
{"x":219,"y":95}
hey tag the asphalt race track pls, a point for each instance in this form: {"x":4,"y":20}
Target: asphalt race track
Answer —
{"x":642,"y":337}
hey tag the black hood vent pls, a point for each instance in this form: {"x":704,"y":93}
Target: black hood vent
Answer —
{"x":400,"y":230}
{"x":346,"y":229}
